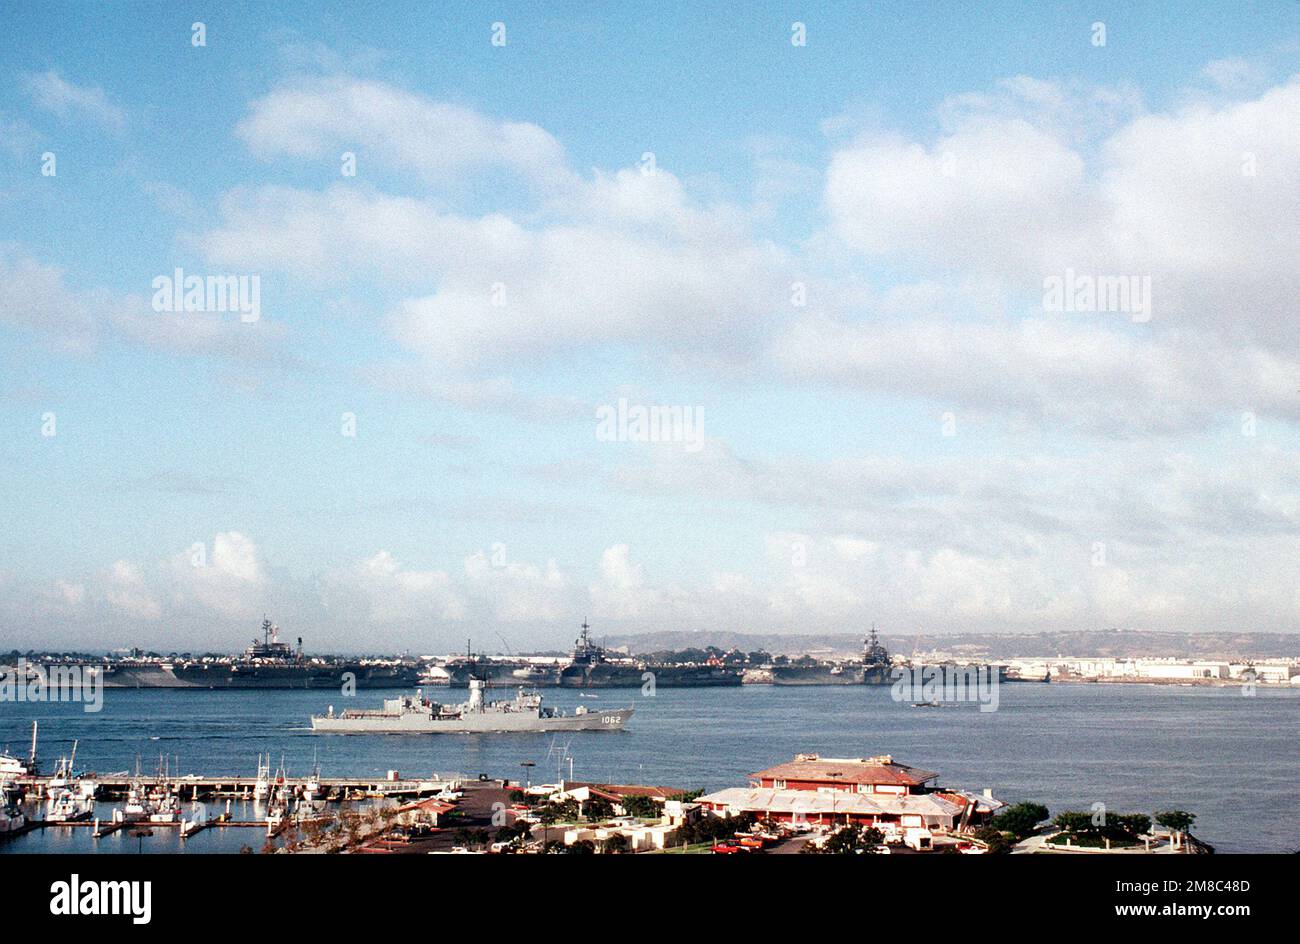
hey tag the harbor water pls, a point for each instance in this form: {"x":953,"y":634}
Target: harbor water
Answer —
{"x":1230,"y":759}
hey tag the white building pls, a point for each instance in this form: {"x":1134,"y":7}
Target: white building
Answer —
{"x":1173,"y":669}
{"x":1270,"y":672}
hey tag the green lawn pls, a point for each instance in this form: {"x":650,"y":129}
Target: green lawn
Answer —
{"x":698,"y":848}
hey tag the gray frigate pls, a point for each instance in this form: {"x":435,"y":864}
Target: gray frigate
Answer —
{"x":416,"y":714}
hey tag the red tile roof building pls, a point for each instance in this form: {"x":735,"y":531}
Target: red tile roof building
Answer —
{"x":869,"y":791}
{"x":853,"y":775}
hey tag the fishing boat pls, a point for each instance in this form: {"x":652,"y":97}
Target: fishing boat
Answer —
{"x":68,"y":806}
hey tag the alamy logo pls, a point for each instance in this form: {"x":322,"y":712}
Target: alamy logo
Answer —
{"x":29,"y":682}
{"x":1130,"y":294}
{"x":75,"y":897}
{"x":651,"y":424}
{"x":181,"y":292}
{"x":947,"y":684}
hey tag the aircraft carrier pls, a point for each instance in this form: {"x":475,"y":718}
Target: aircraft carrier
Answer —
{"x":267,"y":663}
{"x":873,"y":669}
{"x":590,"y":666}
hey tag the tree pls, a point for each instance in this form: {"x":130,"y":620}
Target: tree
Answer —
{"x":514,"y":832}
{"x":561,"y":811}
{"x":852,"y":840}
{"x":640,"y":806}
{"x":688,"y":796}
{"x":1021,"y":819}
{"x":1073,"y":822}
{"x":994,"y":839}
{"x":1135,"y":824}
{"x":616,"y":843}
{"x":1178,"y":822}
{"x":597,"y":808}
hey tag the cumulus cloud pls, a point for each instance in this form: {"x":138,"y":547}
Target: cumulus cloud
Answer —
{"x":228,"y":579}
{"x":387,"y":591}
{"x":626,"y":258}
{"x":125,"y":589}
{"x":924,"y":286}
{"x":320,"y":117}
{"x":1019,"y":188}
{"x":1199,"y":199}
{"x":646,"y":271}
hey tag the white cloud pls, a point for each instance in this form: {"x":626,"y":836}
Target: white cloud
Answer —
{"x":228,"y":578}
{"x":1234,"y":74}
{"x":37,"y":299}
{"x":393,"y":593}
{"x":321,"y":117}
{"x":1081,"y":374}
{"x":643,"y":268}
{"x":1200,"y":199}
{"x":519,"y":591}
{"x":69,"y":101}
{"x":992,"y":195}
{"x":126,"y":590}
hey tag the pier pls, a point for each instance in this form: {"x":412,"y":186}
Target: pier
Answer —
{"x":206,"y":788}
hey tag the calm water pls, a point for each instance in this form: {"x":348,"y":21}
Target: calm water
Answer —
{"x":1233,"y":760}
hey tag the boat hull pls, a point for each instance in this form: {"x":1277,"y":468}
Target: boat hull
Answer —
{"x":270,"y":677}
{"x":508,"y":722}
{"x":605,"y":675}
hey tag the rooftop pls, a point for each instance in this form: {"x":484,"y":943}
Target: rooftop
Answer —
{"x":871,"y":770}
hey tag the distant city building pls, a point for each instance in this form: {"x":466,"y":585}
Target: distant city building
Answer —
{"x":1165,"y":669}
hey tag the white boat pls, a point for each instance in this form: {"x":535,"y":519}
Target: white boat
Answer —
{"x":135,"y":808}
{"x":142,"y":805}
{"x":11,"y":767}
{"x":262,"y":789}
{"x":12,"y":819}
{"x":66,"y":779}
{"x":311,"y":788}
{"x":165,"y":809}
{"x":68,"y":806}
{"x":276,"y":812}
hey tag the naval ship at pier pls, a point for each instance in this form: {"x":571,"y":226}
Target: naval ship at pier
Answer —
{"x":589,"y":666}
{"x":267,"y":663}
{"x":874,"y":668}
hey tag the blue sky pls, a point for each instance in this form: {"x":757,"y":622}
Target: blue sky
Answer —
{"x":920,"y":444}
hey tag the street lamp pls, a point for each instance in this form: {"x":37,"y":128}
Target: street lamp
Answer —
{"x":528,"y":773}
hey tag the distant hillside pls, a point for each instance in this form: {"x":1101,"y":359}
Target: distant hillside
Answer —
{"x":1097,"y":643}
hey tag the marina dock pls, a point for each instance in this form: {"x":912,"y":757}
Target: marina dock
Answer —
{"x":207,"y":788}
